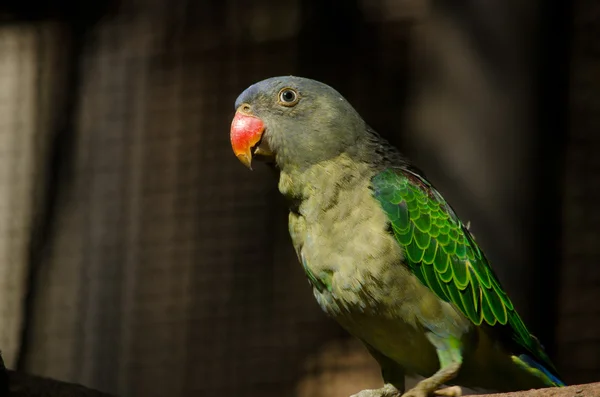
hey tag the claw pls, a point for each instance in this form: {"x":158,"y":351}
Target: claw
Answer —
{"x":430,"y":386}
{"x":385,"y":391}
{"x":452,"y":391}
{"x":415,"y":393}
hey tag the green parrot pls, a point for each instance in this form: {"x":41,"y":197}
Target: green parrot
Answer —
{"x":386,"y":255}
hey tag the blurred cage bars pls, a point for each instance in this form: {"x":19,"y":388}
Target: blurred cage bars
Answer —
{"x":17,"y":132}
{"x":168,"y":269}
{"x":28,"y":62}
{"x":578,"y":331}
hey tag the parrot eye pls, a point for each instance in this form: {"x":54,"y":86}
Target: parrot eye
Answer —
{"x":288,"y":97}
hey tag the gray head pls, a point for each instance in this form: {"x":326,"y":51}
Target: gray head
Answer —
{"x":295,"y":121}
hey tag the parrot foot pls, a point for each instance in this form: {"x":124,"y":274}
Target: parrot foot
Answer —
{"x":430,"y":386}
{"x":452,"y":391}
{"x":386,"y":391}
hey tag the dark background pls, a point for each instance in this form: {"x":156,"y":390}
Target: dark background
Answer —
{"x":139,"y":257}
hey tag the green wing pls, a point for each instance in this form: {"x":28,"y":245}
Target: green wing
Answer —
{"x":442,"y":253}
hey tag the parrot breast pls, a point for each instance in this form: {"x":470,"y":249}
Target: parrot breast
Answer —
{"x":355,"y":266}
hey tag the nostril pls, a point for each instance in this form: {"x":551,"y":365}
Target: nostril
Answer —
{"x":246,"y":108}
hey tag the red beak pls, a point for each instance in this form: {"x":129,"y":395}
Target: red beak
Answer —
{"x":246,"y":133}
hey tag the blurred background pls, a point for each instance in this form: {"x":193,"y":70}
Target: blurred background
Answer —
{"x":139,"y":257}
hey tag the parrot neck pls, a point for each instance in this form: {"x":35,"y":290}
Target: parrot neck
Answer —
{"x":351,"y":169}
{"x":323,"y":181}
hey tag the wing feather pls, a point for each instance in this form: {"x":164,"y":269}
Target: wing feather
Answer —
{"x":443,"y":255}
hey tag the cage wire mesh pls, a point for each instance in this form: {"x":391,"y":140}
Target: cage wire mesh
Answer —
{"x":167,"y":270}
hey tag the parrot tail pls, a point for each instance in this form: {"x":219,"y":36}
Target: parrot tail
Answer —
{"x":538,"y":369}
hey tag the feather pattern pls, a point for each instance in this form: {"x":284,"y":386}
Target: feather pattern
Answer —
{"x":443,"y":255}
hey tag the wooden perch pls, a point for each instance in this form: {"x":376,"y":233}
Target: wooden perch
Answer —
{"x":586,"y":390}
{"x":17,"y":384}
{"x":24,"y":385}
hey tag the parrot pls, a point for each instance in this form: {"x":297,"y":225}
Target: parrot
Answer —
{"x":385,"y":254}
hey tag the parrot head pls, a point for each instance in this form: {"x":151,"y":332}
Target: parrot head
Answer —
{"x":293,"y":122}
